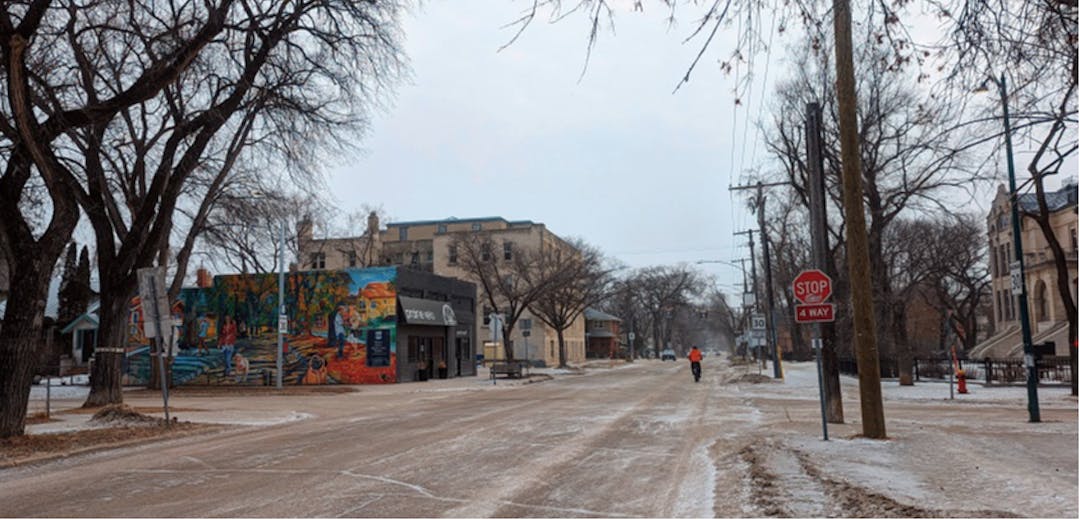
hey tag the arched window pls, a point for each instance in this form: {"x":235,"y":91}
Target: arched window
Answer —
{"x":1042,"y":306}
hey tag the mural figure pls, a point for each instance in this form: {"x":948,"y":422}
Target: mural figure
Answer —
{"x":227,"y":342}
{"x":316,"y":371}
{"x":242,"y":367}
{"x":204,"y":331}
{"x":336,"y":333}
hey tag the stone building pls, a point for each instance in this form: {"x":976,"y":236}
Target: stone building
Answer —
{"x":1045,"y":306}
{"x":428,"y":245}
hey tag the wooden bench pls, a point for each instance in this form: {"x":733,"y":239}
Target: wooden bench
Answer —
{"x":509,"y":369}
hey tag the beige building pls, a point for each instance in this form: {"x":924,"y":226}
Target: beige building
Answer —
{"x":1045,"y":306}
{"x":428,"y":245}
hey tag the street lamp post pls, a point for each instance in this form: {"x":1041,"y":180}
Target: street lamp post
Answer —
{"x":281,"y":305}
{"x":1018,"y":252}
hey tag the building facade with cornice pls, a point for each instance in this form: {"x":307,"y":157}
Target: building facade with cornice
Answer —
{"x":1046,"y":308}
{"x":429,"y":245}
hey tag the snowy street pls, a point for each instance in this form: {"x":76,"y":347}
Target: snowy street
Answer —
{"x":634,"y":441}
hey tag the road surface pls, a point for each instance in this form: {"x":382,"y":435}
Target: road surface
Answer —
{"x":638,"y":441}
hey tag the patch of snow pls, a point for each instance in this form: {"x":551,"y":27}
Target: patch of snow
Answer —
{"x":698,"y":495}
{"x":247,"y":419}
{"x":56,"y":391}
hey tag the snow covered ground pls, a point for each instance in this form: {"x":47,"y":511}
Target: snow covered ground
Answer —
{"x":974,"y":455}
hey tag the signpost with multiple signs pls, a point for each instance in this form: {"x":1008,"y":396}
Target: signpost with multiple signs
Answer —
{"x":157,"y":318}
{"x":812,"y":288}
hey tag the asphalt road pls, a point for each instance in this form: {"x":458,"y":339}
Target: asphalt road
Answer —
{"x":623,"y":442}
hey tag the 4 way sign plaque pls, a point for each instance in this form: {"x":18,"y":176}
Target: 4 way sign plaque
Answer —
{"x":812,"y":288}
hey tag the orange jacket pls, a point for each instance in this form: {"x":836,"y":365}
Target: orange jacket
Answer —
{"x":695,"y":355}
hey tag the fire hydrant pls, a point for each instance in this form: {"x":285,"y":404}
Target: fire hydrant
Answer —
{"x":961,"y":382}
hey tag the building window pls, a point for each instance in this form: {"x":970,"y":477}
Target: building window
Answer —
{"x":318,"y":260}
{"x":430,"y":256}
{"x":452,"y":257}
{"x":1073,"y":237}
{"x":485,"y":251}
{"x":552,"y":348}
{"x":1000,"y":314}
{"x":440,"y":228}
{"x":414,"y":258}
{"x":477,"y":226}
{"x":508,"y":251}
{"x":487,"y":315}
{"x":352,"y":258}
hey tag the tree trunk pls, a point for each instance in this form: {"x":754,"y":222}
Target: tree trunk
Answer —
{"x":905,"y":358}
{"x":20,"y":336}
{"x":508,"y":345}
{"x":830,"y":369}
{"x":656,"y":337}
{"x":562,"y":348}
{"x":106,"y":374}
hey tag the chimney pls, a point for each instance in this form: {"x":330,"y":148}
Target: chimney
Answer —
{"x":203,"y":279}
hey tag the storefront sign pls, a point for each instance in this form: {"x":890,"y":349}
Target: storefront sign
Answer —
{"x":418,"y":311}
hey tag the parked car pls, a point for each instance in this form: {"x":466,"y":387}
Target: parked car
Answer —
{"x":667,"y":354}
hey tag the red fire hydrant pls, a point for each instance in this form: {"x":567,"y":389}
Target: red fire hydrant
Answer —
{"x":961,"y":382}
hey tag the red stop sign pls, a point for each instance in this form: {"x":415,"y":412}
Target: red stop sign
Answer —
{"x":812,"y":286}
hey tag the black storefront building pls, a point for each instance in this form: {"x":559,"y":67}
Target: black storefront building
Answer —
{"x":435,"y":326}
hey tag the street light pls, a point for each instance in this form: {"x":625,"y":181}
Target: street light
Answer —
{"x":1017,"y":268}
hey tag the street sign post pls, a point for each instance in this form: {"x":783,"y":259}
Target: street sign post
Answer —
{"x":155,"y":307}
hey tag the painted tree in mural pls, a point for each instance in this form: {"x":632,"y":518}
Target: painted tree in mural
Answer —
{"x":250,"y":298}
{"x":316,"y":294}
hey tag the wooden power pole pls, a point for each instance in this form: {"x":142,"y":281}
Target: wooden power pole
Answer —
{"x":858,"y":254}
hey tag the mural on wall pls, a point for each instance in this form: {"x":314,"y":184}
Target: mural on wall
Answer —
{"x":342,"y":329}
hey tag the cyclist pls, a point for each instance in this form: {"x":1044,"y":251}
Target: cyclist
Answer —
{"x":695,"y":363}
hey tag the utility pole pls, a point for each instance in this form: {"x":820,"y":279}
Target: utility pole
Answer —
{"x":858,"y":252}
{"x":770,"y":318}
{"x":819,"y":234}
{"x":753,"y":277}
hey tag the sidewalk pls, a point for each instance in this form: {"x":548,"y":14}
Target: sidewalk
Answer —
{"x":258,"y":406}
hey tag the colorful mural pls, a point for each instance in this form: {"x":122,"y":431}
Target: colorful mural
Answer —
{"x":342,"y":329}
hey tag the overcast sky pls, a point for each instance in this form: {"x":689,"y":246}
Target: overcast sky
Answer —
{"x":613,"y":157}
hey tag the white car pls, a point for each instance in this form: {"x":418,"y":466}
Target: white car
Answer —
{"x":667,"y":354}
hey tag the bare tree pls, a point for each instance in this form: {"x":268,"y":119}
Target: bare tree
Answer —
{"x":574,"y":278}
{"x":622,"y":300}
{"x":45,"y":49}
{"x":276,"y":88}
{"x":1032,"y":45}
{"x":663,"y":291}
{"x":123,"y":109}
{"x":510,"y":287}
{"x":912,"y":157}
{"x":957,"y":273}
